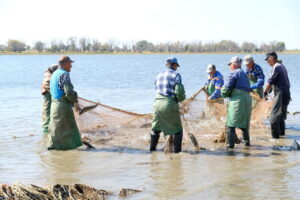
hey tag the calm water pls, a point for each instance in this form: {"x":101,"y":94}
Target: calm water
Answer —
{"x":126,"y":81}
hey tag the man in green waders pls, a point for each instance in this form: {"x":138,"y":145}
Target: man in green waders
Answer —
{"x":255,"y":75}
{"x":47,"y":97}
{"x":239,"y":107}
{"x":63,"y":130}
{"x":214,"y":82}
{"x":166,"y":119}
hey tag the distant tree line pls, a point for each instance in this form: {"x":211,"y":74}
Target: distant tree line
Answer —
{"x":83,"y":45}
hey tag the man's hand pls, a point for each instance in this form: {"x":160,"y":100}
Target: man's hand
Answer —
{"x":77,"y":107}
{"x":267,"y":91}
{"x":266,"y":96}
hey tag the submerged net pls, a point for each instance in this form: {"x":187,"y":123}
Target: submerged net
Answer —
{"x":120,"y":128}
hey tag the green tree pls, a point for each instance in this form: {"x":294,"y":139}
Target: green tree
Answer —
{"x":248,"y":47}
{"x":71,"y":44}
{"x":39,"y":46}
{"x":280,"y":46}
{"x":16,"y":46}
{"x":141,"y":46}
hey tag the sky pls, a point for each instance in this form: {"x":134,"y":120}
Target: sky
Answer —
{"x":153,"y":20}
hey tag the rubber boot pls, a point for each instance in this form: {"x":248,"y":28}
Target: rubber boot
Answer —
{"x":275,"y":131}
{"x":154,"y":139}
{"x":246,"y":137}
{"x":177,"y":142}
{"x":282,"y":127}
{"x":231,"y":137}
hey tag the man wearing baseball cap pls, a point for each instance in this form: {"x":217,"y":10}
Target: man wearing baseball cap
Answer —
{"x":240,"y":104}
{"x":166,"y":116}
{"x":63,"y":131}
{"x":280,"y":83}
{"x":214,"y":82}
{"x":255,"y":75}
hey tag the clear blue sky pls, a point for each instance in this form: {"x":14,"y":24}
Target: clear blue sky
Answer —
{"x":154,"y":20}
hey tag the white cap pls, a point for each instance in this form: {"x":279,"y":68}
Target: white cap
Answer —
{"x":235,"y":59}
{"x":210,"y":68}
{"x":248,"y":59}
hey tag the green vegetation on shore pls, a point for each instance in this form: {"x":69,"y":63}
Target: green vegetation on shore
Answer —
{"x":133,"y":53}
{"x":87,"y":46}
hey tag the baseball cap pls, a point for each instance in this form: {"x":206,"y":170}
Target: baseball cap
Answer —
{"x":248,"y":59}
{"x":172,"y":60}
{"x":271,"y":54}
{"x":65,"y":59}
{"x":210,"y":68}
{"x":235,"y":59}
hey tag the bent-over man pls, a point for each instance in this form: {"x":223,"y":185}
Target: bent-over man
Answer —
{"x":214,"y":82}
{"x":255,"y":75}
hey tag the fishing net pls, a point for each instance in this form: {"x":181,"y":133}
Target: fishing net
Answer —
{"x":120,"y":128}
{"x":20,"y":191}
{"x":108,"y":125}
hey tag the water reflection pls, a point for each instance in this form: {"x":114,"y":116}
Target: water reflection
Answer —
{"x":236,"y":183}
{"x":62,"y":167}
{"x":168,"y":177}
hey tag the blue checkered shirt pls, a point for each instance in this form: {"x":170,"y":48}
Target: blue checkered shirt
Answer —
{"x":165,"y":82}
{"x":258,"y":73}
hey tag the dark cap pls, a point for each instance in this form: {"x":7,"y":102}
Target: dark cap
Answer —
{"x":172,"y":60}
{"x":52,"y":68}
{"x":64,"y":59}
{"x":271,"y":54}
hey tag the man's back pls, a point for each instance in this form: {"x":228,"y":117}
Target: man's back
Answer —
{"x":165,"y":82}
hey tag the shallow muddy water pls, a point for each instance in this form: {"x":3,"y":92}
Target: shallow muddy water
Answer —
{"x":259,"y":172}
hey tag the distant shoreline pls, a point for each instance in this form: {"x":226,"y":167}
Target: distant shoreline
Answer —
{"x":137,"y":53}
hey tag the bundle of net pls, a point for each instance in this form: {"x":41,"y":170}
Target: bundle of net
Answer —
{"x":205,"y":120}
{"x":106,"y":125}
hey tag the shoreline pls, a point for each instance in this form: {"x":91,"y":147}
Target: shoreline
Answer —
{"x":143,"y":53}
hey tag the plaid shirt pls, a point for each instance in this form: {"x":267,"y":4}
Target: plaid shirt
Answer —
{"x":257,"y":73}
{"x":165,"y":82}
{"x":64,"y":79}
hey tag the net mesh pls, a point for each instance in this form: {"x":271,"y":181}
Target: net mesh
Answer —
{"x":120,"y":128}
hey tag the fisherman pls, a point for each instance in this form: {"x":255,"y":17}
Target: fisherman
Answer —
{"x":239,"y":107}
{"x":214,"y":83}
{"x":47,"y":97}
{"x":64,"y":133}
{"x":279,"y":82}
{"x":169,"y":92}
{"x":255,"y":75}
